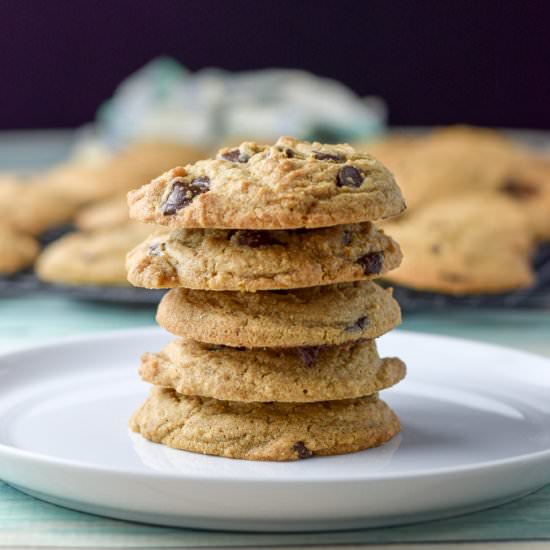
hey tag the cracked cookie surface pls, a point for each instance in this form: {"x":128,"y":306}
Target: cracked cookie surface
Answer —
{"x":332,"y":314}
{"x":211,"y":259}
{"x":291,"y":184}
{"x":303,"y":374}
{"x":264,"y":431}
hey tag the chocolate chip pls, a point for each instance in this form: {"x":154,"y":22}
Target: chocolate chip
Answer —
{"x":155,"y":249}
{"x":371,"y":263}
{"x":436,"y":248}
{"x":346,"y":237}
{"x":336,"y":157}
{"x":302,"y":450}
{"x":518,"y":189}
{"x":360,"y":324}
{"x":349,"y":176}
{"x":256,"y":239}
{"x":183,"y":192}
{"x":308,"y":354}
{"x":235,"y":155}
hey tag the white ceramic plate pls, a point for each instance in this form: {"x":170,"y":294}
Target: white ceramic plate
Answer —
{"x":476,"y":432}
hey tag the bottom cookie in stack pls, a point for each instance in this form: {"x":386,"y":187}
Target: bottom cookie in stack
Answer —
{"x":268,"y":404}
{"x":264,"y":431}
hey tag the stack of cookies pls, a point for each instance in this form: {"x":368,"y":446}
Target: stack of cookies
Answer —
{"x":270,"y":255}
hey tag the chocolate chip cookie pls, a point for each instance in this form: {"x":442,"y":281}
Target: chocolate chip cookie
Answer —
{"x":478,"y":244}
{"x":95,"y":258}
{"x":460,"y":160}
{"x":126,"y":169}
{"x":111,"y":212}
{"x":17,"y":250}
{"x":291,"y":184}
{"x":332,"y":314}
{"x":264,"y":431}
{"x":30,"y":207}
{"x":303,"y":374}
{"x":251,"y":260}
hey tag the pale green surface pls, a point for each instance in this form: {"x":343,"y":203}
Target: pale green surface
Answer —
{"x":28,"y":522}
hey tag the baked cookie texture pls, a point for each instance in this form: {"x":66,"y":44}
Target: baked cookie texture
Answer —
{"x":332,"y":314}
{"x":297,"y":375}
{"x":264,"y":431}
{"x":460,"y":247}
{"x":246,"y":260}
{"x":90,"y":258}
{"x":289,"y":185}
{"x":17,"y":250}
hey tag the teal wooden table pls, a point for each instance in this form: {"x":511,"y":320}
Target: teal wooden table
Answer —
{"x":26,"y":522}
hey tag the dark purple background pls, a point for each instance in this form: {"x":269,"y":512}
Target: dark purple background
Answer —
{"x":434,"y":61}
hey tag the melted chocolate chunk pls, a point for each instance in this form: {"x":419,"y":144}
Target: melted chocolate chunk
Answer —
{"x":518,"y":189}
{"x":308,"y":354}
{"x":349,"y":176}
{"x":360,"y":324}
{"x":155,"y":249}
{"x":256,"y":239}
{"x":336,"y":157}
{"x":372,"y":263}
{"x":183,"y":192}
{"x":302,"y":450}
{"x":436,"y":248}
{"x":235,"y":155}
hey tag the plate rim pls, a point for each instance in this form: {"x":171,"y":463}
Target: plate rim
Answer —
{"x":33,"y":457}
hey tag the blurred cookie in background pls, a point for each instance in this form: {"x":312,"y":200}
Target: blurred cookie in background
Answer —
{"x":126,"y":170}
{"x":17,"y":250}
{"x":479,"y":243}
{"x":459,"y":160}
{"x":528,"y":185}
{"x":91,"y":258}
{"x":30,"y":207}
{"x":110,"y":212}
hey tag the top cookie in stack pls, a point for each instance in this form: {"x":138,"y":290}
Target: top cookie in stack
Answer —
{"x":270,"y":254}
{"x":289,"y":185}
